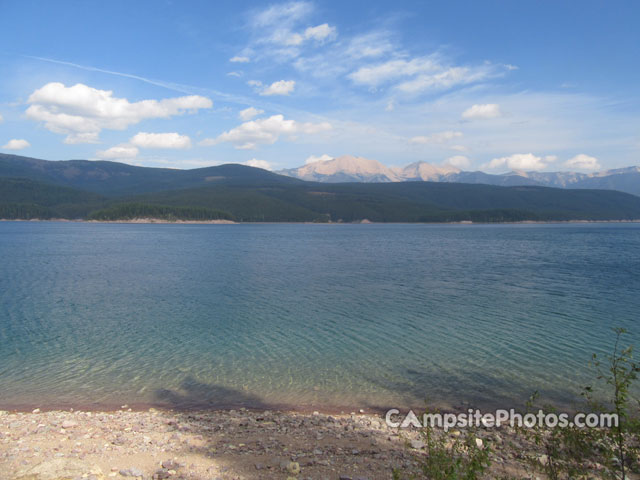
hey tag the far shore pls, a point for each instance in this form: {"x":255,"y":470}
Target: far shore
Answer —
{"x":362,"y":222}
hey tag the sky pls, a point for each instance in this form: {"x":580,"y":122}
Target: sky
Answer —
{"x":481,"y":84}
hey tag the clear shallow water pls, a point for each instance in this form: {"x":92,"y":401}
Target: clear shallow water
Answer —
{"x":309,"y":315}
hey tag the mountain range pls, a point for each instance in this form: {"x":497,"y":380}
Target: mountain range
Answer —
{"x":101,"y":190}
{"x":348,"y":168}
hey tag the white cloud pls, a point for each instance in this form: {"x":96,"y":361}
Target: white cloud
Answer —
{"x":254,"y":83}
{"x":249,"y":113}
{"x":447,"y":78}
{"x":1,"y":119}
{"x":88,"y":137}
{"x":282,"y":14}
{"x":376,"y":75}
{"x":372,"y":44}
{"x":119,"y":151}
{"x":479,"y":111}
{"x":440,"y":137}
{"x":239,"y":59}
{"x":521,"y":161}
{"x":458,"y":161}
{"x":16,"y":144}
{"x":322,"y":158}
{"x":235,"y":74}
{"x":427,"y":73}
{"x":161,"y":140}
{"x":583,"y":162}
{"x":278,"y":25}
{"x":320,"y":33}
{"x":254,"y":162}
{"x":81,"y":112}
{"x":281,"y":87}
{"x":265,"y":131}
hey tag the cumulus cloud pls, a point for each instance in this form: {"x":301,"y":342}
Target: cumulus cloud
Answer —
{"x":440,"y":137}
{"x":82,"y":112}
{"x":282,"y":87}
{"x":249,"y":113}
{"x":161,"y":140}
{"x":118,"y":152}
{"x":482,"y":111}
{"x":583,"y":162}
{"x":322,"y":158}
{"x":254,"y":162}
{"x":16,"y":144}
{"x":458,"y":161}
{"x":522,"y":161}
{"x":239,"y":59}
{"x":265,"y":131}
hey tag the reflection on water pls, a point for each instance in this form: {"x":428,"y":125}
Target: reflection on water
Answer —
{"x":309,"y":315}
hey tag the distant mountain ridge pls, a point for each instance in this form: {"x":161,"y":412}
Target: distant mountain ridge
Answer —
{"x":81,"y":189}
{"x":113,"y":178}
{"x":348,"y":168}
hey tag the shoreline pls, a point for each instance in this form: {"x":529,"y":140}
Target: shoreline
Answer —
{"x":159,"y":221}
{"x":242,"y":444}
{"x":230,"y":445}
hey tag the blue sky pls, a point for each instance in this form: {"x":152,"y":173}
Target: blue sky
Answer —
{"x":489,"y":85}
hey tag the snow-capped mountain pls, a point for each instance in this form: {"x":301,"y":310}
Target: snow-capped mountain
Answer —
{"x":348,"y":168}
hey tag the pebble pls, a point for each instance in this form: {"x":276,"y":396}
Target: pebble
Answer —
{"x":131,"y":472}
{"x":69,"y":424}
{"x":417,"y":444}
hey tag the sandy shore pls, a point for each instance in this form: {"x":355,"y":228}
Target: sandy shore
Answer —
{"x":223,"y":445}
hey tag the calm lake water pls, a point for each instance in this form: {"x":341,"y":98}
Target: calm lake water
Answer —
{"x":346,"y":316}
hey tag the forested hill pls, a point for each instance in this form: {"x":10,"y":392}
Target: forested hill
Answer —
{"x":112,"y":178}
{"x":31,"y":188}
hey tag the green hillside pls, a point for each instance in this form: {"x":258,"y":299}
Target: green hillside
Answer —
{"x":31,"y":188}
{"x":26,"y":199}
{"x":405,"y":202}
{"x":115,"y":179}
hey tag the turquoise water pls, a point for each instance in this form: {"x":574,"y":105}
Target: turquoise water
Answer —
{"x":333,"y":316}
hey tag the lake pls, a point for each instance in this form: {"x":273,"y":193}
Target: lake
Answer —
{"x":309,"y":316}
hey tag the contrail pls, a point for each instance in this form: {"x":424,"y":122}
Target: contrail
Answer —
{"x":193,"y":90}
{"x":188,"y":89}
{"x":176,"y":87}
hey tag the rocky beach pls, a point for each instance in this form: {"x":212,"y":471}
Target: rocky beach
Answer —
{"x":230,"y":445}
{"x":233,"y":444}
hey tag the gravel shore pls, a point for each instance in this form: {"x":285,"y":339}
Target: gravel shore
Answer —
{"x":218,"y":445}
{"x":196,"y":445}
